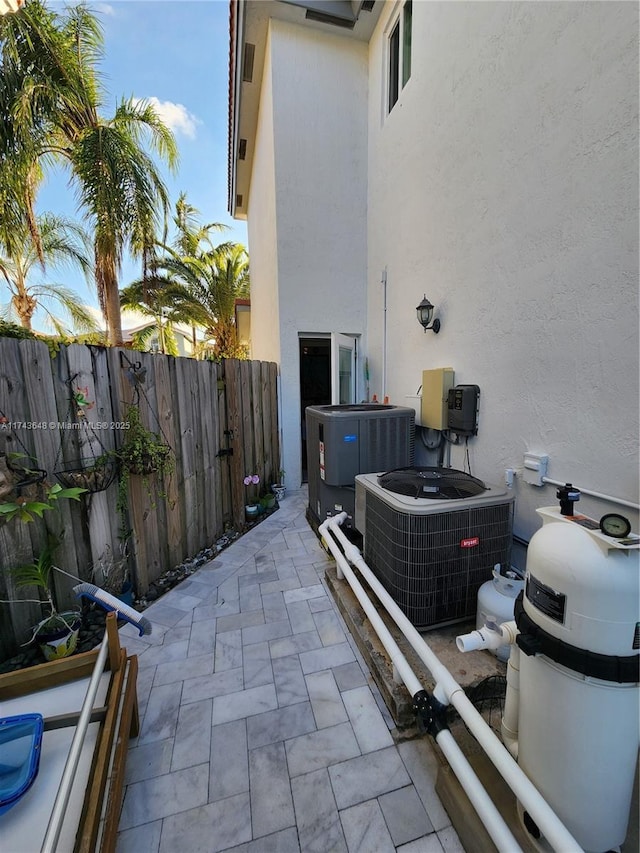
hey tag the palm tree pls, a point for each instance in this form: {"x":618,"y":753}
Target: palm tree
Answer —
{"x":61,"y":242}
{"x":162,"y":300}
{"x":50,"y":100}
{"x":210,"y":284}
{"x":190,"y":234}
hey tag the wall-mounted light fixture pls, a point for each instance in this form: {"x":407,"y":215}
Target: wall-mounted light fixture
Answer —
{"x":425,"y":312}
{"x":7,"y":6}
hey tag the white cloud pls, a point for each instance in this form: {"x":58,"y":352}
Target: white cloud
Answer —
{"x":175,"y":116}
{"x":104,"y":8}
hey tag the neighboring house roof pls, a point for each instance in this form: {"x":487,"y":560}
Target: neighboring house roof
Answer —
{"x":249,"y":24}
{"x":128,"y":333}
{"x":135,"y":321}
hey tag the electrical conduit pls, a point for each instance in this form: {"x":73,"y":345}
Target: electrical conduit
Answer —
{"x":447,"y":690}
{"x":500,"y":833}
{"x":591,"y":493}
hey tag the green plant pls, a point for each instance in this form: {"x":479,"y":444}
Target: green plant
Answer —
{"x":143,"y":451}
{"x":39,"y":574}
{"x":252,"y":494}
{"x":268,"y":501}
{"x":26,"y":508}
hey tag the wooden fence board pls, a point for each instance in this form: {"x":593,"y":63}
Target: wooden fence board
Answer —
{"x":265,"y":423}
{"x":75,"y":553}
{"x":167,"y":414}
{"x":87,"y":448}
{"x":65,"y":520}
{"x":224,"y":444}
{"x":107,"y":437}
{"x":197,"y":386}
{"x":275,"y":425}
{"x":237,"y":462}
{"x":207,"y":397}
{"x":257,"y":417}
{"x":251,"y":462}
{"x":157,"y":546}
{"x":216,"y":521}
{"x":188,"y":453}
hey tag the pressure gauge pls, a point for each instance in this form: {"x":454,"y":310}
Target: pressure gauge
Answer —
{"x":615,"y":525}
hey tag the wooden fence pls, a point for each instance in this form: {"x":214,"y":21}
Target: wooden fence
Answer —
{"x":221,"y":421}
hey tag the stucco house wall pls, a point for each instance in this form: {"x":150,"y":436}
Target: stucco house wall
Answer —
{"x":308,"y":191}
{"x":262,"y":231}
{"x":504,"y":185}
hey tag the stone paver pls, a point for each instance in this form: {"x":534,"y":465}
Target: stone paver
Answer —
{"x":261,"y":729}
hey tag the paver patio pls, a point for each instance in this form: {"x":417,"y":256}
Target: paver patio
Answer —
{"x":261,"y":729}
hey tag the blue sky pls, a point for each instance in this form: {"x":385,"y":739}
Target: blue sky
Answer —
{"x":178,"y":54}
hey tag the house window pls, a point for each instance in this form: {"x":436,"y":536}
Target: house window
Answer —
{"x":400,"y":53}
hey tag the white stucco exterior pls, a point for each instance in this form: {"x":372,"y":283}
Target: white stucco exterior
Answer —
{"x":504,"y":186}
{"x":307,"y":206}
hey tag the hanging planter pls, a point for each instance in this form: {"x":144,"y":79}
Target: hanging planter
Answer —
{"x":24,"y":470}
{"x":94,"y":475}
{"x":94,"y":472}
{"x":142,"y":451}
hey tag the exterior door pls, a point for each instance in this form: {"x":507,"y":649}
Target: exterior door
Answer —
{"x":343,"y":369}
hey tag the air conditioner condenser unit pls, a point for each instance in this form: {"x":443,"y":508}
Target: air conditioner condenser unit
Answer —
{"x":345,"y":440}
{"x":432,"y":554}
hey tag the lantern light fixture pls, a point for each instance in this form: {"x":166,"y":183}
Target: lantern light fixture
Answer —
{"x":7,"y":6}
{"x":425,"y":314}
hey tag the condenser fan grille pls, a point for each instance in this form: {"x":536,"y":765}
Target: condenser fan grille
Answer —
{"x":435,"y":483}
{"x":423,"y":561}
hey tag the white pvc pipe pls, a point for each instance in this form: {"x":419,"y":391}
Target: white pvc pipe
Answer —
{"x":491,"y":818}
{"x":488,"y":637}
{"x":384,"y":333}
{"x":56,"y":820}
{"x":448,"y":689}
{"x":609,"y":498}
{"x":509,"y":727}
{"x":398,"y":660}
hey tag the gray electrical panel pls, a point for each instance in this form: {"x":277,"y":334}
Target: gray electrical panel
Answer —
{"x":346,"y":440}
{"x":462,"y":409}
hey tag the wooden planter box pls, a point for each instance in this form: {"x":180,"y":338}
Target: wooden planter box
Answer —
{"x":91,"y":819}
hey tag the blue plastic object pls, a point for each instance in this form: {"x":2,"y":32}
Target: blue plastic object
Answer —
{"x":113,"y":603}
{"x":20,"y":746}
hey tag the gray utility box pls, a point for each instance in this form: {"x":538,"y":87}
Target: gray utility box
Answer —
{"x":346,"y":440}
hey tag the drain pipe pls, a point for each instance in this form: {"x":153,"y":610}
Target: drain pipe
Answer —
{"x":430,"y":711}
{"x":509,"y":726}
{"x":383,"y":281}
{"x":447,"y":690}
{"x":491,"y":636}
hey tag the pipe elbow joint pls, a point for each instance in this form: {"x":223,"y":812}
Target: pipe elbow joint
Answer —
{"x":490,"y":636}
{"x":431,"y":714}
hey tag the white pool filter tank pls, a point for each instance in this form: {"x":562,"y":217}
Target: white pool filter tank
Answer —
{"x":579,"y":707}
